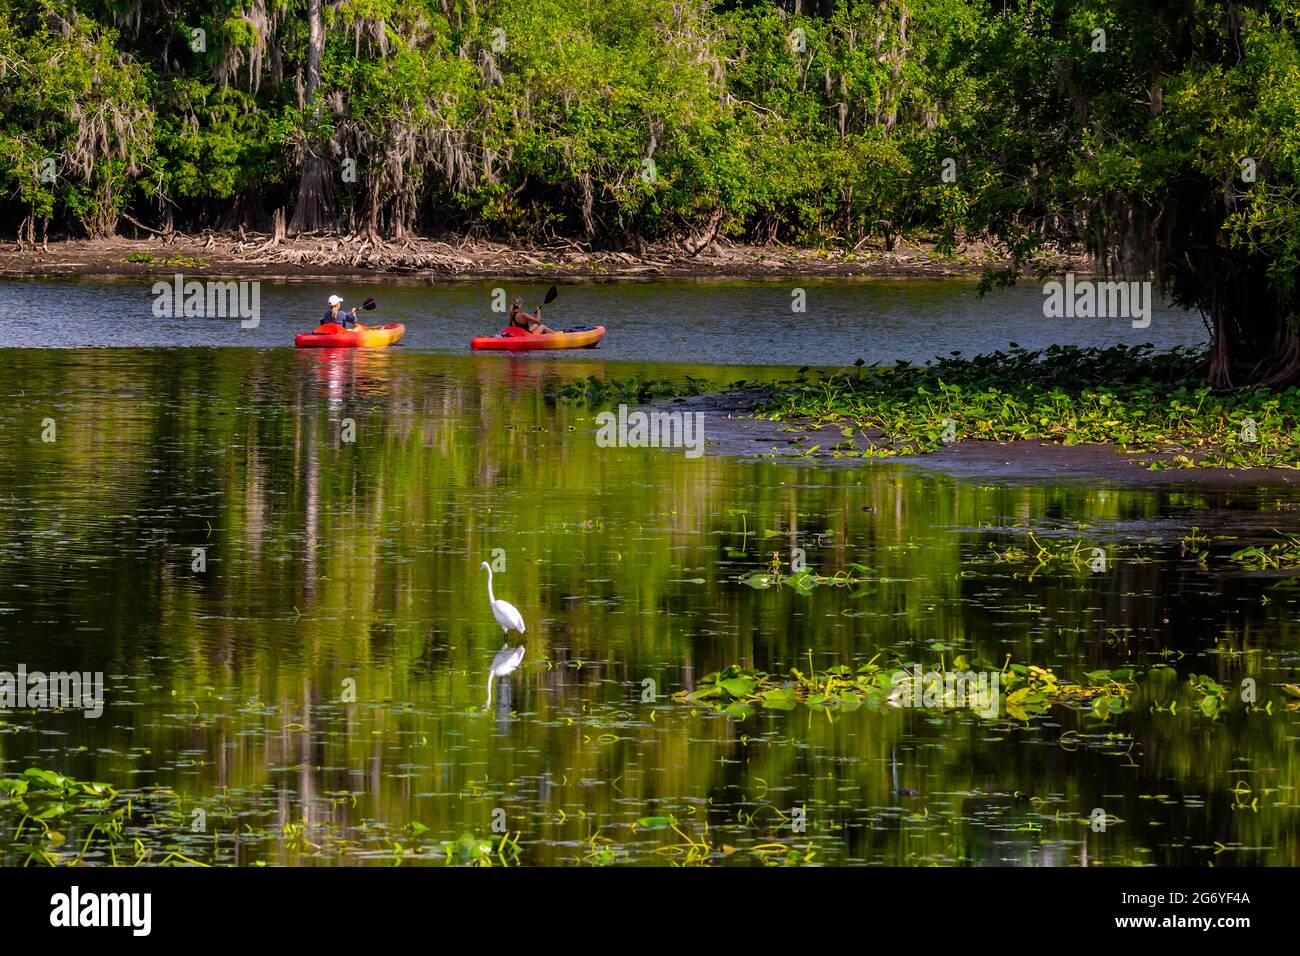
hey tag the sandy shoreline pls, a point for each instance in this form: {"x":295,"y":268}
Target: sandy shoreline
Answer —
{"x":355,"y":257}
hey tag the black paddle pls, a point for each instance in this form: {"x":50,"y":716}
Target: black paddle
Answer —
{"x":551,"y":293}
{"x":369,"y":305}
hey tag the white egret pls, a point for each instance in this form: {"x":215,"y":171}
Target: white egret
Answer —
{"x":505,"y":661}
{"x":507,"y":614}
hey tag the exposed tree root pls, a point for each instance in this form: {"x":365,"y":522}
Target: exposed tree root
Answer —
{"x":259,"y":253}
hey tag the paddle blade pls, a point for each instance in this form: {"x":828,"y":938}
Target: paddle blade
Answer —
{"x":369,"y":305}
{"x":550,"y":296}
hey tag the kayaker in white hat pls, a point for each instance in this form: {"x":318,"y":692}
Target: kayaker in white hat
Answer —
{"x":332,"y":313}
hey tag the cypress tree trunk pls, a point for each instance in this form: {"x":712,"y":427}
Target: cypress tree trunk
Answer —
{"x":1253,"y":340}
{"x":314,"y":210}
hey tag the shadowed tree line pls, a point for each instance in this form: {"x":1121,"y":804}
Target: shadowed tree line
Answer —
{"x":1157,"y":135}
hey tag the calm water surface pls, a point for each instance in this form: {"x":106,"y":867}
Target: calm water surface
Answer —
{"x":318,"y":690}
{"x":716,"y":322}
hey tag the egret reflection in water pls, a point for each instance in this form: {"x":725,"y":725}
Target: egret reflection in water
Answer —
{"x":505,"y":662}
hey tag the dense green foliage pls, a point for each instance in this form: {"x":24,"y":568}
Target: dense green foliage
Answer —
{"x":612,"y":120}
{"x":641,"y":118}
{"x":1159,"y":135}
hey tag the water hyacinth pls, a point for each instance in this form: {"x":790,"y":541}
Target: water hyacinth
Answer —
{"x":1023,"y":691}
{"x":1128,"y":396}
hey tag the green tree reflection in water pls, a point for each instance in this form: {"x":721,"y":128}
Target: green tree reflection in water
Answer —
{"x":333,"y":564}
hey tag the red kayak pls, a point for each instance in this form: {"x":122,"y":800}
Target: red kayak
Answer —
{"x":514,"y":339}
{"x":333,"y":336}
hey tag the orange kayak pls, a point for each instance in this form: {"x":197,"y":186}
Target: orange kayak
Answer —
{"x":333,"y":336}
{"x":518,"y":340}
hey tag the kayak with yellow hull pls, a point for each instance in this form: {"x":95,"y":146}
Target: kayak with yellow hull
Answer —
{"x":333,"y":336}
{"x":515,"y":339}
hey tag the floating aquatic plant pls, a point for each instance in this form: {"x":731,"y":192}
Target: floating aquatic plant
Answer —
{"x":1023,"y":691}
{"x":1076,"y":555}
{"x":471,"y":850}
{"x":1280,"y":554}
{"x":1133,"y":397}
{"x":804,"y":582}
{"x":48,"y":804}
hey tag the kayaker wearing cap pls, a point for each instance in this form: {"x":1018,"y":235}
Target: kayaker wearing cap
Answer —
{"x":332,"y":313}
{"x":522,"y":320}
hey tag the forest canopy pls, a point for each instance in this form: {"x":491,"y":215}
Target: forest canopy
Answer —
{"x":1160,"y":136}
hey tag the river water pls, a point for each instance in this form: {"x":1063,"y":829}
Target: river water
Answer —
{"x":707,"y":322}
{"x":274,"y":559}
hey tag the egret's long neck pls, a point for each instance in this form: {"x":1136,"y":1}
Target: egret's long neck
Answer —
{"x":490,"y":597}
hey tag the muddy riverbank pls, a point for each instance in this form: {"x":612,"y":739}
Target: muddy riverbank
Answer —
{"x":733,"y":429}
{"x":337,"y":257}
